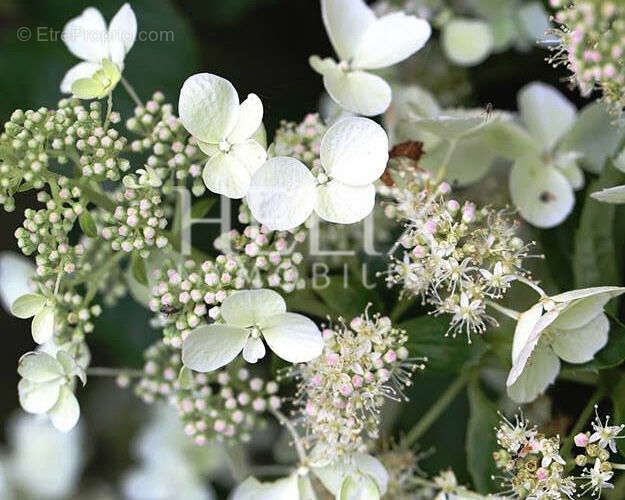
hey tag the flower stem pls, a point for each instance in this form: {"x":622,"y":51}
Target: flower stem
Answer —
{"x":401,"y":307}
{"x":299,"y":447}
{"x":131,"y":92}
{"x":436,"y":409}
{"x":531,"y":284}
{"x":97,"y":371}
{"x":504,"y":310}
{"x":109,"y":109}
{"x":567,"y":445}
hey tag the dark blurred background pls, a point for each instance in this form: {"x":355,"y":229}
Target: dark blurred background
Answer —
{"x":261,"y":46}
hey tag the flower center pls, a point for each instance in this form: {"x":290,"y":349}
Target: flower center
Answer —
{"x":255,"y":332}
{"x":224,"y":146}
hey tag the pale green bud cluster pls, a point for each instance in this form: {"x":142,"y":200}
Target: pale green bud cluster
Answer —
{"x":225,"y":405}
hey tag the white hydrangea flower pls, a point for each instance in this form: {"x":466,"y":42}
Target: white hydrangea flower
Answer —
{"x":466,"y":41}
{"x":225,"y":130}
{"x":569,"y":326}
{"x":43,"y":462}
{"x":15,"y":278}
{"x":353,"y":154}
{"x":47,"y":387}
{"x":249,"y":317}
{"x":88,"y":38}
{"x":364,"y":42}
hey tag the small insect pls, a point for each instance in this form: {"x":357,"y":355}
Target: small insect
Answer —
{"x":169,"y":310}
{"x":546,"y":197}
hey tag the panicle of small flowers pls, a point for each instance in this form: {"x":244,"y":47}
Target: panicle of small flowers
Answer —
{"x":73,"y":317}
{"x":456,"y":257}
{"x":300,"y":140}
{"x":226,"y":405}
{"x":597,"y":446}
{"x":174,"y":154}
{"x":402,"y":465}
{"x":138,"y":221}
{"x":340,"y":394}
{"x":591,"y":44}
{"x":531,"y":462}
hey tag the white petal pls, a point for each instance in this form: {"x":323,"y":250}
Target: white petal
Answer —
{"x":293,"y":337}
{"x":611,"y":195}
{"x":583,"y":305}
{"x":15,"y":278}
{"x":66,"y":412}
{"x":372,"y":467}
{"x":248,"y":307}
{"x":86,"y":36}
{"x":546,"y":112}
{"x":358,"y":486}
{"x":282,"y":193}
{"x":38,"y":398}
{"x":346,"y":22}
{"x":358,"y":91}
{"x":542,"y":194}
{"x":249,"y":119}
{"x":540,"y":372}
{"x":467,"y":42}
{"x":210,"y":347}
{"x":354,"y":151}
{"x":322,"y":66}
{"x":251,"y":154}
{"x":282,"y":489}
{"x":225,"y":174}
{"x":27,"y":305}
{"x":524,"y":328}
{"x":122,"y":33}
{"x":254,"y":350}
{"x":39,"y":367}
{"x":42,"y":326}
{"x":573,"y":173}
{"x":208,"y":107}
{"x":81,"y":70}
{"x":389,"y":40}
{"x":333,"y":475}
{"x":453,"y":124}
{"x":343,"y":204}
{"x":580,"y":345}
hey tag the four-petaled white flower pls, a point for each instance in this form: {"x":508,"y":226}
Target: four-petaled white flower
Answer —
{"x":353,"y":154}
{"x":249,"y":317}
{"x":47,"y":387}
{"x":225,"y":130}
{"x":573,"y":328}
{"x":364,"y":42}
{"x":88,"y":38}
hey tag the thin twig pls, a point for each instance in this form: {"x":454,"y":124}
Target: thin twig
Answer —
{"x":131,"y":92}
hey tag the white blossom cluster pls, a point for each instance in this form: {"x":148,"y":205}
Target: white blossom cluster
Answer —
{"x":456,"y":257}
{"x":341,"y":393}
{"x":225,"y":405}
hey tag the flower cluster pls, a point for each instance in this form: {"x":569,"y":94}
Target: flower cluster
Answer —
{"x":597,"y":447}
{"x":172,"y":149}
{"x":301,"y":140}
{"x":225,"y":405}
{"x":455,"y":257}
{"x":591,"y":38}
{"x":341,"y":392}
{"x":531,"y":462}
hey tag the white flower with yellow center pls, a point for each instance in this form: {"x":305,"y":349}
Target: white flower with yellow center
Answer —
{"x":364,"y":42}
{"x":569,"y":326}
{"x":251,"y":316}
{"x":353,"y":154}
{"x":225,"y":130}
{"x":88,"y":38}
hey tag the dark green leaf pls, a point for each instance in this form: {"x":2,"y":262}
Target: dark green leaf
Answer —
{"x":426,"y":337}
{"x":138,"y":269}
{"x":594,"y":257}
{"x":347,"y":297}
{"x":481,"y":441}
{"x":305,"y":301}
{"x":201,"y":207}
{"x":87,"y":224}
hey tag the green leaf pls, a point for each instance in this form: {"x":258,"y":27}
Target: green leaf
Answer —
{"x":348,"y":298}
{"x":426,"y":337}
{"x":28,"y":305}
{"x":594,"y":256}
{"x":481,"y":441}
{"x":613,"y":354}
{"x":305,"y":301}
{"x":201,"y":207}
{"x":137,"y":266}
{"x":87,"y":224}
